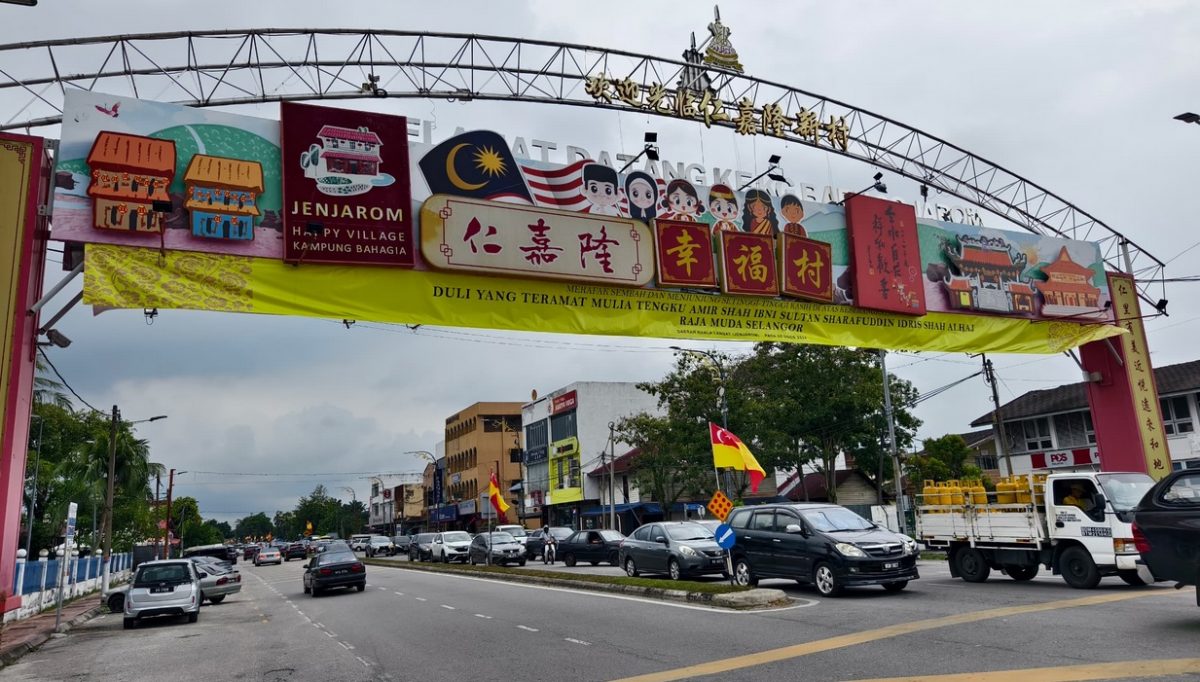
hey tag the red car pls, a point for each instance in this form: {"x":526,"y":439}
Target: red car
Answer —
{"x":249,"y":552}
{"x":296,"y":550}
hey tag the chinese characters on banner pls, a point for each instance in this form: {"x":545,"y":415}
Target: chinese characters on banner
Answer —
{"x":748,"y":264}
{"x":480,"y":236}
{"x":807,"y":268}
{"x":346,"y":193}
{"x":685,"y":254}
{"x":1141,"y":374}
{"x":886,"y":255}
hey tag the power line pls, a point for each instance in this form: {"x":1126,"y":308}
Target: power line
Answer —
{"x":64,"y":380}
{"x":275,"y":474}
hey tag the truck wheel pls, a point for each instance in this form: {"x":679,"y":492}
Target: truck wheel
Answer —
{"x":1078,"y":569}
{"x":1021,"y":573}
{"x":972,"y":565}
{"x":826,"y":580}
{"x":1131,"y":578}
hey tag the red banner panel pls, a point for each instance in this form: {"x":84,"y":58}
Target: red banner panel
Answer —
{"x":685,"y":254}
{"x":886,"y":255}
{"x":748,"y":264}
{"x":807,"y":268}
{"x":346,"y":196}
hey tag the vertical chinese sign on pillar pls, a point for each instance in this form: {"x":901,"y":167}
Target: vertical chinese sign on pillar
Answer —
{"x":886,"y":255}
{"x":748,"y":264}
{"x":685,"y":255}
{"x":346,"y":195}
{"x":1142,"y":386}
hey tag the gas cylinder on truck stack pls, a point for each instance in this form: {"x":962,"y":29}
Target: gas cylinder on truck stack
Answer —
{"x":1077,"y":525}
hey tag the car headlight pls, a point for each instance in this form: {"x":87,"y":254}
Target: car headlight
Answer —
{"x":847,"y":549}
{"x":910,"y":546}
{"x":687,"y":551}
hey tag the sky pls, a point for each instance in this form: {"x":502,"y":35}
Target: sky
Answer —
{"x":1076,"y":96}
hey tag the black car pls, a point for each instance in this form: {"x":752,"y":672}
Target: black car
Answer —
{"x":1166,"y":529}
{"x":826,"y":545}
{"x":536,"y":540}
{"x":592,"y":546}
{"x":296,"y":550}
{"x":334,"y":568}
{"x":421,"y":547}
{"x":677,"y":548}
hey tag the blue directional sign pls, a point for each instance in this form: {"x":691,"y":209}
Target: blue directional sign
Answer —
{"x":725,"y":536}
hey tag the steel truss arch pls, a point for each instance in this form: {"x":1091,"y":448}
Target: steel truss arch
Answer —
{"x":218,"y":68}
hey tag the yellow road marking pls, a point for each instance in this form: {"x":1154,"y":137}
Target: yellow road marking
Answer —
{"x":821,"y":645}
{"x":1067,"y":673}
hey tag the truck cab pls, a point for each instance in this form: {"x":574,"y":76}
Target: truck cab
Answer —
{"x":1095,"y":511}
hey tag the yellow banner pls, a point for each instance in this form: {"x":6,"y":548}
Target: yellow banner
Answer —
{"x":123,"y":277}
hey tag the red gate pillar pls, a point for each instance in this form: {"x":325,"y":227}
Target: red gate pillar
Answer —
{"x":24,"y":185}
{"x":1122,"y":392}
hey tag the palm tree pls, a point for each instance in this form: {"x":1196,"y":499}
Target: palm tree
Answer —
{"x":47,"y":390}
{"x":88,"y":466}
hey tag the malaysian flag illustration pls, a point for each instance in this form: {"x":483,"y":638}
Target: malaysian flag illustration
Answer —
{"x":563,"y":187}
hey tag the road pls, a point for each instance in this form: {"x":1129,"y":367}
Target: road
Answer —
{"x":420,"y":626}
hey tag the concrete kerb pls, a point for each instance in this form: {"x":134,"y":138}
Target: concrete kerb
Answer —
{"x":11,"y":656}
{"x":749,"y":599}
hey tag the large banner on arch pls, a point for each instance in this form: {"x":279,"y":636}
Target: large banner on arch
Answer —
{"x":145,"y":278}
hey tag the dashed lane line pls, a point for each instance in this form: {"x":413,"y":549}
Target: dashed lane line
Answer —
{"x":577,"y":641}
{"x":420,"y":598}
{"x":445,"y":606}
{"x":526,"y":628}
{"x":398,"y":594}
{"x":480,"y":615}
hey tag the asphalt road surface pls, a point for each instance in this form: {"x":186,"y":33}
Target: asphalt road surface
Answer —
{"x":418,"y":626}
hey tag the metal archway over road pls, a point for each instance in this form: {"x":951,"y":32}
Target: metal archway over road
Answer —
{"x":215,"y":68}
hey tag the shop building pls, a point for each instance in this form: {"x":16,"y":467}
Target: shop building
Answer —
{"x":222,"y":196}
{"x":482,"y":438}
{"x":129,"y":174}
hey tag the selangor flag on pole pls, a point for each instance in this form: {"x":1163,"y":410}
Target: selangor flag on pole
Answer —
{"x":494,"y":495}
{"x":729,"y":452}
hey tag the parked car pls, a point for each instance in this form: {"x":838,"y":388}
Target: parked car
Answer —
{"x":1166,"y":529}
{"x":163,"y":588}
{"x":358,"y":543}
{"x":378,"y":545}
{"x":503,"y":549}
{"x":536,"y":541}
{"x":823,"y":544}
{"x":421,"y":547}
{"x":453,"y":545}
{"x":223,"y":552}
{"x":401,"y":543}
{"x":517,"y":531}
{"x":296,"y":550}
{"x":249,"y":551}
{"x":334,"y":568}
{"x":268,"y":555}
{"x":592,"y":546}
{"x":216,"y":582}
{"x":677,"y":548}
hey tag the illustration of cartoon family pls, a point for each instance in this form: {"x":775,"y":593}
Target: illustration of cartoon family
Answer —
{"x":645,"y":198}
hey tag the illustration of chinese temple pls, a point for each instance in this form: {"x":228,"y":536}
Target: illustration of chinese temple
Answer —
{"x":1068,"y":289}
{"x":222,"y":196}
{"x":989,"y":276}
{"x":129,"y":174}
{"x":350,"y":151}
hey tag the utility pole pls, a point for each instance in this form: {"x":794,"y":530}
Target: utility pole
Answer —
{"x":612,"y":477}
{"x":167,"y":530}
{"x":157,"y":507}
{"x":108,"y":500}
{"x":989,"y":375}
{"x":891,"y":422}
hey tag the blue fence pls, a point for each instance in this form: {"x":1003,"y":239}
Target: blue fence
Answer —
{"x":81,"y":569}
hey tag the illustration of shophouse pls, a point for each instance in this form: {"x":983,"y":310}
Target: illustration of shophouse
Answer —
{"x":1068,"y":289}
{"x":222,"y":196}
{"x":129,"y":174}
{"x":350,"y":151}
{"x":989,"y":276}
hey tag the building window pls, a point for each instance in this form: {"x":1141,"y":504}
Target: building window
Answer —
{"x":1037,"y":434}
{"x":498,"y":423}
{"x":563,"y":426}
{"x":1177,"y":417}
{"x":1074,"y":429}
{"x":986,"y":459}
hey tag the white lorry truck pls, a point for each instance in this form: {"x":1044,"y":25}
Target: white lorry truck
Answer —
{"x":1075,"y":524}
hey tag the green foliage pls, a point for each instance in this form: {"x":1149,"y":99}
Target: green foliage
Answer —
{"x":255,"y":526}
{"x":234,"y":143}
{"x":668,"y":465}
{"x":944,"y":458}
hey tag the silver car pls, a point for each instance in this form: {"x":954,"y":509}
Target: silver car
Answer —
{"x":217,"y":582}
{"x":496,"y":548}
{"x":163,"y":588}
{"x":268,"y":555}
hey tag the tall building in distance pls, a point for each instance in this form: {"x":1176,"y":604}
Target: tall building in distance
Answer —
{"x":482,"y":438}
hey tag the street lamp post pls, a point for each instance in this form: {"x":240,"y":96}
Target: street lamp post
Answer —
{"x":111,"y":483}
{"x":167,"y":534}
{"x":432,"y":459}
{"x":716,"y":360}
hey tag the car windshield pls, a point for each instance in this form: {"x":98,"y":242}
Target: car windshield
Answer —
{"x":560,"y":533}
{"x":611,"y":535}
{"x":457,"y":536}
{"x":337,"y":557}
{"x":834,"y":519}
{"x":498,"y":538}
{"x":516,"y":531}
{"x":1124,"y":490}
{"x":164,"y":573}
{"x":689,"y":531}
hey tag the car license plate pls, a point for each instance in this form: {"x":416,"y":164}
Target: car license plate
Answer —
{"x":161,"y":590}
{"x":339,"y":571}
{"x":891,"y":564}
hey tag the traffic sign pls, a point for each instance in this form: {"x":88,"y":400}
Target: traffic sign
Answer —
{"x":72,"y":511}
{"x":725,"y":536}
{"x":719,"y":505}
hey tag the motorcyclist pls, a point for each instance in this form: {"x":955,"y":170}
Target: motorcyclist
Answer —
{"x":549,"y":547}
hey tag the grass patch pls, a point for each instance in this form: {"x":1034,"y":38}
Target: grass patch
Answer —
{"x":933,"y":556}
{"x":684,"y":585}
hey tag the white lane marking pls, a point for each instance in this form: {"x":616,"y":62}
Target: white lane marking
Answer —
{"x":345,"y":646}
{"x":330,"y":635}
{"x":316,"y":625}
{"x":420,"y":598}
{"x":526,"y":628}
{"x":577,"y":641}
{"x":384,"y":589}
{"x":363,"y":661}
{"x":657,"y":602}
{"x":480,"y":615}
{"x":448,"y":607}
{"x":398,"y":594}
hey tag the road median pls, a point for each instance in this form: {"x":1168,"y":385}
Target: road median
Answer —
{"x":722,"y":595}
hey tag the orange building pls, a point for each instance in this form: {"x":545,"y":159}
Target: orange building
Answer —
{"x":1068,"y":286}
{"x":129,"y":174}
{"x":482,"y":438}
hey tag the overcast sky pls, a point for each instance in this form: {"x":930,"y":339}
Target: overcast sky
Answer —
{"x":1077,"y":96}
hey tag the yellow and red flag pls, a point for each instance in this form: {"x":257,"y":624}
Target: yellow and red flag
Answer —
{"x":729,"y":452}
{"x":494,"y":496}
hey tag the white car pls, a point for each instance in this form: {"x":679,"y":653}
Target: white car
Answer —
{"x":452,"y":545}
{"x":358,"y":543}
{"x":163,"y":588}
{"x":378,"y":545}
{"x":518,"y":532}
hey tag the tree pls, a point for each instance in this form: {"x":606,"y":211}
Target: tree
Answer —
{"x":943,"y":459}
{"x":667,"y":466}
{"x":284,"y":525}
{"x":47,"y":391}
{"x":255,"y":526}
{"x":187,"y":523}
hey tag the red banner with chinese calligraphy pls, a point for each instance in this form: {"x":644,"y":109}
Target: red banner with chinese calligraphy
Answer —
{"x":807,"y":268}
{"x":685,"y":254}
{"x":886,"y":260}
{"x":748,"y":264}
{"x":346,"y":193}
